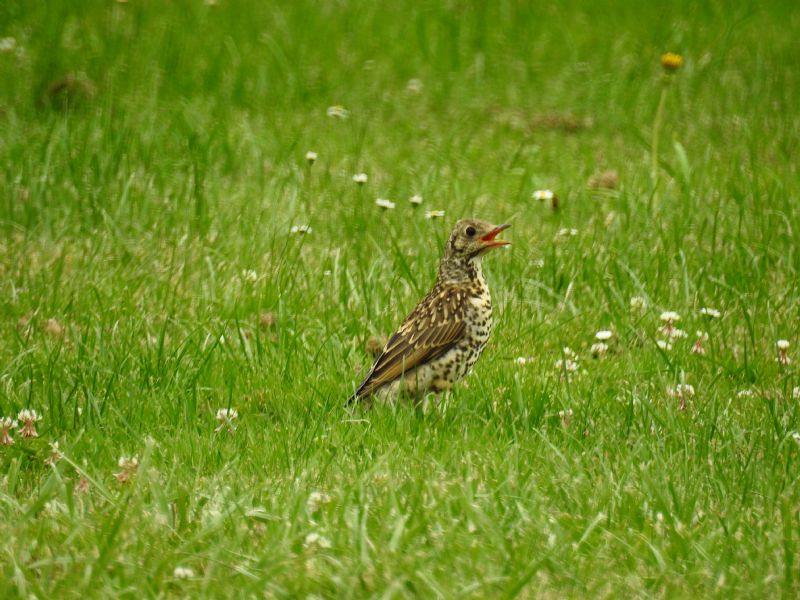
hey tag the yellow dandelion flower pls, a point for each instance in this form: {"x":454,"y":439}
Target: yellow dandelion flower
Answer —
{"x":671,"y":61}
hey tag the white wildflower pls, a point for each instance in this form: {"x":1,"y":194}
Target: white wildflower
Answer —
{"x":338,"y":112}
{"x":666,"y":346}
{"x":183,"y":573}
{"x":311,"y":157}
{"x":315,"y":500}
{"x":55,"y":454}
{"x":638,"y":304}
{"x":384,"y":203}
{"x":564,"y":232}
{"x":604,"y":335}
{"x":783,"y":344}
{"x":543,"y":195}
{"x":669,"y":317}
{"x":795,"y":435}
{"x":702,"y":338}
{"x":682,"y":391}
{"x":128,"y":466}
{"x":566,"y":416}
{"x":315,"y":539}
{"x":226,"y":418}
{"x":414,"y":86}
{"x":796,"y":393}
{"x":7,"y":44}
{"x":416,"y":199}
{"x":6,"y":425}
{"x":302,"y":229}
{"x":434,"y":214}
{"x":28,"y":418}
{"x":566,"y":364}
{"x":783,"y":352}
{"x":744,"y":394}
{"x":599,"y":349}
{"x":710,"y":312}
{"x":523,"y":360}
{"x":249,"y":276}
{"x":360,"y":178}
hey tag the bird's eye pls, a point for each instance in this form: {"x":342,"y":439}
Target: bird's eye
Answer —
{"x":470,"y":231}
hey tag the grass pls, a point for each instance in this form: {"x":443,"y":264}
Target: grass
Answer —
{"x":153,"y":153}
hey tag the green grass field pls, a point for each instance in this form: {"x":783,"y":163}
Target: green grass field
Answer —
{"x":152,"y":167}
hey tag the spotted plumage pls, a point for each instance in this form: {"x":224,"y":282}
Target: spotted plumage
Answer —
{"x":443,"y":337}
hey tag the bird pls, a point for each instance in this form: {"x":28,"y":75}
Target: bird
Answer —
{"x":442,"y":338}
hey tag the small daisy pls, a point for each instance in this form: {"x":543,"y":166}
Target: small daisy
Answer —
{"x":6,"y":425}
{"x":416,"y":199}
{"x":28,"y":418}
{"x":226,"y":418}
{"x":301,"y":229}
{"x":311,"y":157}
{"x":360,"y":178}
{"x":712,"y":313}
{"x":128,"y":466}
{"x":338,"y":112}
{"x":604,"y":335}
{"x":183,"y":573}
{"x":543,"y":195}
{"x":702,"y":338}
{"x":783,"y":352}
{"x":434,"y":214}
{"x":385,"y":204}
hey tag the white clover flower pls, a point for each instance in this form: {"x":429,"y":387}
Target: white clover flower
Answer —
{"x":682,"y":390}
{"x":702,"y":338}
{"x":744,"y":394}
{"x":569,"y":353}
{"x":302,"y":229}
{"x":710,"y":312}
{"x":226,"y":418}
{"x":599,"y":349}
{"x":796,"y":393}
{"x":128,"y":466}
{"x":315,"y":539}
{"x":249,"y":276}
{"x":55,"y":454}
{"x":566,"y":416}
{"x":604,"y":335}
{"x":315,"y":500}
{"x":360,"y":178}
{"x":638,"y":304}
{"x":795,"y":436}
{"x":564,"y":232}
{"x":783,"y":352}
{"x":414,"y":86}
{"x":28,"y":418}
{"x":183,"y":573}
{"x":8,"y":44}
{"x":434,"y":214}
{"x":538,"y":263}
{"x":385,"y":204}
{"x":783,"y":344}
{"x":337,"y":111}
{"x":675,"y":333}
{"x":416,"y":199}
{"x":523,"y":360}
{"x":666,"y":346}
{"x":566,"y":364}
{"x":543,"y":195}
{"x":6,"y":425}
{"x":311,"y":157}
{"x":669,"y":317}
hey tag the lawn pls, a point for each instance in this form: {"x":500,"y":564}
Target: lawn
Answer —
{"x":186,"y":298}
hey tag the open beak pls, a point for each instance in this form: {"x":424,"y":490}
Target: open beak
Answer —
{"x":489,"y":240}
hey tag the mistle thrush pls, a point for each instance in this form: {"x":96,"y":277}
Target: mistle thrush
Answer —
{"x":443,"y":337}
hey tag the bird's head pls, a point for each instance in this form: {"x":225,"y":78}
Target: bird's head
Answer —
{"x":472,"y":238}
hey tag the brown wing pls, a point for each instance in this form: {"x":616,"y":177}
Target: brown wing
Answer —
{"x":432,"y":328}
